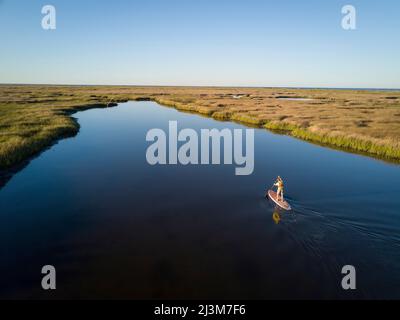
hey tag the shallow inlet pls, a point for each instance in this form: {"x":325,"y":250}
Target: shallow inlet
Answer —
{"x":116,"y":227}
{"x":296,"y":99}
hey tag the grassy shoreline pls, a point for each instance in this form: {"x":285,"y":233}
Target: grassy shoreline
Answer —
{"x":33,"y":118}
{"x":348,"y":144}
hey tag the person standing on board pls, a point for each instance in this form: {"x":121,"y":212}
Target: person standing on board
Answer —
{"x":279,"y":184}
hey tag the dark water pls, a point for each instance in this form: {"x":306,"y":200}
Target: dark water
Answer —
{"x":116,"y":227}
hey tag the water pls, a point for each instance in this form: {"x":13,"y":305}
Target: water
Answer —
{"x":116,"y":227}
{"x":296,"y":99}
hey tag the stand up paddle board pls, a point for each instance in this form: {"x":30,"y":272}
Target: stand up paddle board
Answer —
{"x":283,"y":204}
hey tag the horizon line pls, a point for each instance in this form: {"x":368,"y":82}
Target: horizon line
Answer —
{"x":196,"y":86}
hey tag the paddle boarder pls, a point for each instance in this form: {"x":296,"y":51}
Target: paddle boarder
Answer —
{"x":279,"y":184}
{"x":277,"y":197}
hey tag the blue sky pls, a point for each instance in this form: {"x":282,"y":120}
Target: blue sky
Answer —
{"x":203,"y":42}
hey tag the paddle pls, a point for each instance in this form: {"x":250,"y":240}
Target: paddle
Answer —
{"x":272,"y":187}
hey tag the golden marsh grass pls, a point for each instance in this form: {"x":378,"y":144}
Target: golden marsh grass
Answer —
{"x":33,"y":117}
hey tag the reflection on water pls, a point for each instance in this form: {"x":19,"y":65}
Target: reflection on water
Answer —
{"x":276,"y":216}
{"x":116,"y":227}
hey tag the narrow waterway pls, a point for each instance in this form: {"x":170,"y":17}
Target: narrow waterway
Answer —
{"x":116,"y":227}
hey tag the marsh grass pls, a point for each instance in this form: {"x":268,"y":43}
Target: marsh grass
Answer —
{"x":34,"y":117}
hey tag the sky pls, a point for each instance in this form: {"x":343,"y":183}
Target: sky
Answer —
{"x":285,"y":43}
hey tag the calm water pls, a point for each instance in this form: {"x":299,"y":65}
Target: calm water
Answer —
{"x":116,"y":227}
{"x":296,"y":99}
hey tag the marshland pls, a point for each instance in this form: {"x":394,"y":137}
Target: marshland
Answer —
{"x":32,"y":117}
{"x":77,"y":189}
{"x":115,"y":226}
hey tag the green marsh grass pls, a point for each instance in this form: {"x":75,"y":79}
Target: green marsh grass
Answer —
{"x":32,"y":117}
